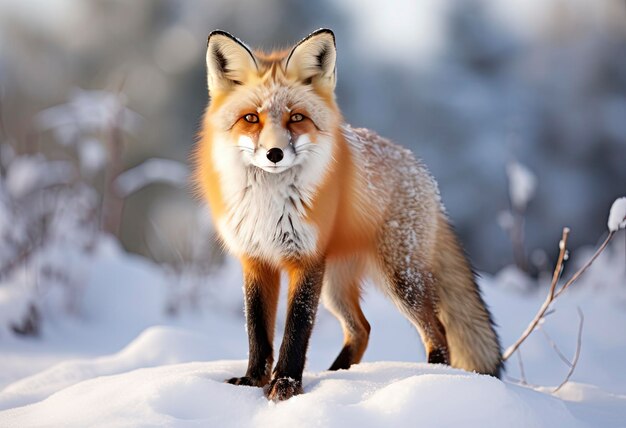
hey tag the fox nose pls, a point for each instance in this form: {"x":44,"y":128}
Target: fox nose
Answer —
{"x":275,"y":154}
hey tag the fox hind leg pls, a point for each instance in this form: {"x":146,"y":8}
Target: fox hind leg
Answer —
{"x":341,"y":296}
{"x":413,"y":292}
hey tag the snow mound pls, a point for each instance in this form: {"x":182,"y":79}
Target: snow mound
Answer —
{"x":371,"y":394}
{"x":140,"y":386}
{"x":155,"y":346}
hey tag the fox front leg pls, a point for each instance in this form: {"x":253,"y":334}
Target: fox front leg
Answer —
{"x":261,"y":289}
{"x":305,"y":286}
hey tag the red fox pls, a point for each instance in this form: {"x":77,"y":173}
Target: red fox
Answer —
{"x":293,"y":188}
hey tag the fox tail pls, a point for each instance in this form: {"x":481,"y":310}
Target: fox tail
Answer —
{"x":472,"y":340}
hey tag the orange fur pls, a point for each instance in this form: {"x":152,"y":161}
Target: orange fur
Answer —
{"x":205,"y":178}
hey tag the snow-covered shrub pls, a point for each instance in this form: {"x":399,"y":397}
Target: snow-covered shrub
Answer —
{"x":48,"y":224}
{"x":522,"y":187}
{"x":54,"y":214}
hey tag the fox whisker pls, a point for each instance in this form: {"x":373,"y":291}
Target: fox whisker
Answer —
{"x":304,"y":148}
{"x":309,"y":148}
{"x":301,"y":146}
{"x":244,"y":149}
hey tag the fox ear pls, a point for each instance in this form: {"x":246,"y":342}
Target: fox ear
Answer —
{"x":313,"y":59}
{"x":229,"y":62}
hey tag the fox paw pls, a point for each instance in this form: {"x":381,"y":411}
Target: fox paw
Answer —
{"x":283,"y":388}
{"x":247,"y":381}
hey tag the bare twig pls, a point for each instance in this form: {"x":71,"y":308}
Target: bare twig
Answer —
{"x":511,"y":378}
{"x":547,"y":314}
{"x":555,"y":347}
{"x":553,"y":292}
{"x":522,"y":372}
{"x":112,"y":203}
{"x":586,"y":266}
{"x":517,"y":239}
{"x":577,"y":353}
{"x":546,"y":304}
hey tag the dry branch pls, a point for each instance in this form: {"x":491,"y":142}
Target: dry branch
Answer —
{"x":554,"y":293}
{"x":555,"y":347}
{"x":546,"y":304}
{"x":112,"y":203}
{"x":586,"y":265}
{"x":522,"y":372}
{"x":577,"y":353}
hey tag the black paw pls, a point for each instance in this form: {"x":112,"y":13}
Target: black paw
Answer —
{"x":247,"y":381}
{"x":439,"y":356}
{"x":283,"y":388}
{"x":343,"y":360}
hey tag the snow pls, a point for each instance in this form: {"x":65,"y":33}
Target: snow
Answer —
{"x":372,"y":394}
{"x":121,"y":361}
{"x":27,"y":173}
{"x":88,"y":110}
{"x":617,"y":215}
{"x":151,"y":171}
{"x":522,"y":184}
{"x":92,"y":156}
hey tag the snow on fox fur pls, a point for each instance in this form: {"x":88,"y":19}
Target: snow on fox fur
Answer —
{"x":294,"y":188}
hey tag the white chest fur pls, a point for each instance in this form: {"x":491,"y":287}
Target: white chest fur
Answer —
{"x":266,"y":213}
{"x":267,"y":219}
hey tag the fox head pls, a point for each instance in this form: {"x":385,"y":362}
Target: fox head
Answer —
{"x":272,"y":111}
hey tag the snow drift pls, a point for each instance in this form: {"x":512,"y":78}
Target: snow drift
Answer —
{"x":131,"y":388}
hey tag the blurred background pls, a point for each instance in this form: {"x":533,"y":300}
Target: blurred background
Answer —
{"x":518,"y":108}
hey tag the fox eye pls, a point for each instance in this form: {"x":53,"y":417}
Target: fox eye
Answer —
{"x":296,"y":118}
{"x":251,"y":118}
